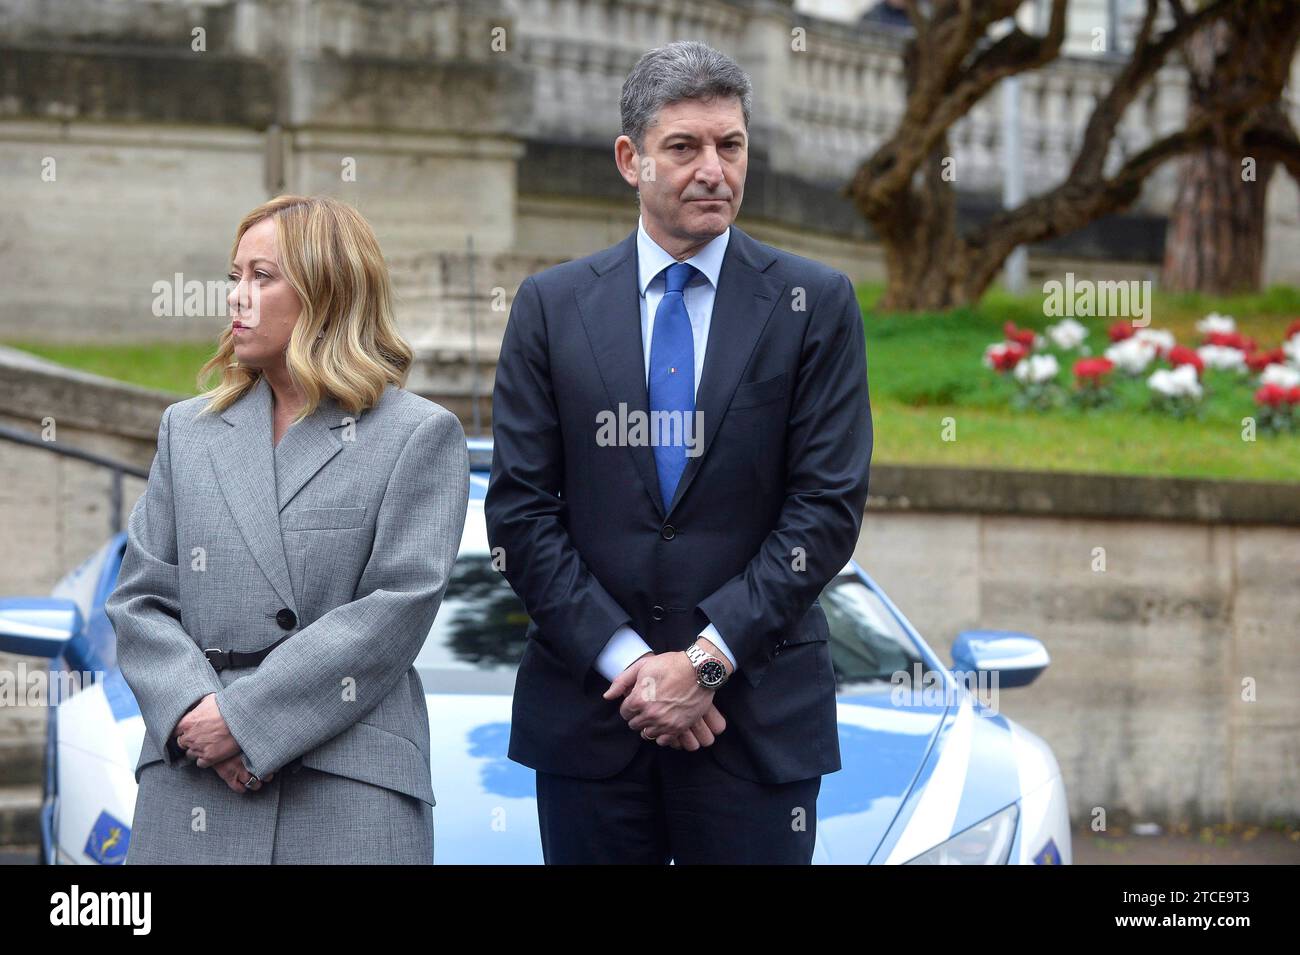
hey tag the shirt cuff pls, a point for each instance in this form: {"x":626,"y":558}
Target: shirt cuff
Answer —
{"x":623,"y":648}
{"x":711,"y":634}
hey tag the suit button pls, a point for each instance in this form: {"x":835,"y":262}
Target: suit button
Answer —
{"x":657,"y":612}
{"x":286,"y":618}
{"x":669,"y":532}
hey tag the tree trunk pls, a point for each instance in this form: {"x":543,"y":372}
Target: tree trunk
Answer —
{"x":921,"y":243}
{"x":1215,"y":239}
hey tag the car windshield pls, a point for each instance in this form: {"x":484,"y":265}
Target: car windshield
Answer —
{"x":479,"y":634}
{"x":868,"y":644}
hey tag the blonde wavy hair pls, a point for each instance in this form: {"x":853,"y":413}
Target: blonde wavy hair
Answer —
{"x":345,"y":343}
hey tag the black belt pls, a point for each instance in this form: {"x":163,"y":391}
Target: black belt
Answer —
{"x":230,"y":659}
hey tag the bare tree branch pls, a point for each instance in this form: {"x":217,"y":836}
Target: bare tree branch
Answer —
{"x":941,"y":94}
{"x":1275,"y":139}
{"x":1148,"y":57}
{"x":1080,"y":200}
{"x":1014,"y":53}
{"x":919,"y":23}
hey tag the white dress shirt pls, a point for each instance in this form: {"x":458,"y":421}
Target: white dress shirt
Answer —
{"x":626,"y":644}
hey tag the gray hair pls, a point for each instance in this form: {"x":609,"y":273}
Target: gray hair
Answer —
{"x":679,"y":71}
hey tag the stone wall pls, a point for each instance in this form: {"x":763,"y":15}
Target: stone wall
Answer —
{"x":1143,"y":702}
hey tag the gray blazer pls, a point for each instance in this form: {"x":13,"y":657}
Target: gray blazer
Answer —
{"x":353,"y":525}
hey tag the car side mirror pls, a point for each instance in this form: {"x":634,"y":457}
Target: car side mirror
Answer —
{"x":38,"y":626}
{"x":1016,"y":657}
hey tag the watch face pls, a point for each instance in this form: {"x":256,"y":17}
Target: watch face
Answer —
{"x":712,"y":673}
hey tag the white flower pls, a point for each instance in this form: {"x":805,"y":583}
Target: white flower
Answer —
{"x":1131,"y":354}
{"x":1178,"y":383}
{"x":1221,"y":356}
{"x":1161,"y":339}
{"x":1214,"y":322}
{"x":1283,"y":375}
{"x":1067,"y":333}
{"x":1292,"y":348}
{"x":1037,"y":368}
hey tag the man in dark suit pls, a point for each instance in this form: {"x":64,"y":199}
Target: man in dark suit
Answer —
{"x":682,"y":445}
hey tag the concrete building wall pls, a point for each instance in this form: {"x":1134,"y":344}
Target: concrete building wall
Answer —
{"x":1143,"y":700}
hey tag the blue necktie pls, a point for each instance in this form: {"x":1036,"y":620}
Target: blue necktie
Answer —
{"x":672,"y":379}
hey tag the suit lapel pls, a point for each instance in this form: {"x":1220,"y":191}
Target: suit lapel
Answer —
{"x":246,"y":462}
{"x":307,"y":447}
{"x":611,"y":314}
{"x":743,"y":304}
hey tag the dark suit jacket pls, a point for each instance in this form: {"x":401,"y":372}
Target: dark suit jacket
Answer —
{"x":761,"y":520}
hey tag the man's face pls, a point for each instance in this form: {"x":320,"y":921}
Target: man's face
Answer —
{"x":691,"y":171}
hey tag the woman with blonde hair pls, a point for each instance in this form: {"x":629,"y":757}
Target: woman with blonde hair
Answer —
{"x":285,"y":564}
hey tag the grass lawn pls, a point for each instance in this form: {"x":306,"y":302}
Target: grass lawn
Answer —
{"x":167,"y":367}
{"x":926,"y":368}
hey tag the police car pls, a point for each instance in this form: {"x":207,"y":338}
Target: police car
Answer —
{"x":932,"y":772}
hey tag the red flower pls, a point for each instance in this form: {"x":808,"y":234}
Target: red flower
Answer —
{"x":1259,"y":360}
{"x":1292,"y":329}
{"x":1120,"y":331}
{"x":1021,"y":336}
{"x":1293,"y":395}
{"x":1274,"y":395}
{"x":1007,"y":357}
{"x":1182,"y":355}
{"x":1092,"y":369}
{"x":1230,"y":340}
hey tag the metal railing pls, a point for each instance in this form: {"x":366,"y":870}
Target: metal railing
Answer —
{"x":119,"y":468}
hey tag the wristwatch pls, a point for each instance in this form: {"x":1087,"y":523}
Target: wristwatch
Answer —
{"x":710,"y":672}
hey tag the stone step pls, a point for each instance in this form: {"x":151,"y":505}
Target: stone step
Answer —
{"x":20,"y":816}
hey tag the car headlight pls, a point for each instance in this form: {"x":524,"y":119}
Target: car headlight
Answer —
{"x":988,"y":842}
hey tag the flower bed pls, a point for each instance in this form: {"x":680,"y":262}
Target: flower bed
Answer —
{"x":1057,"y":368}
